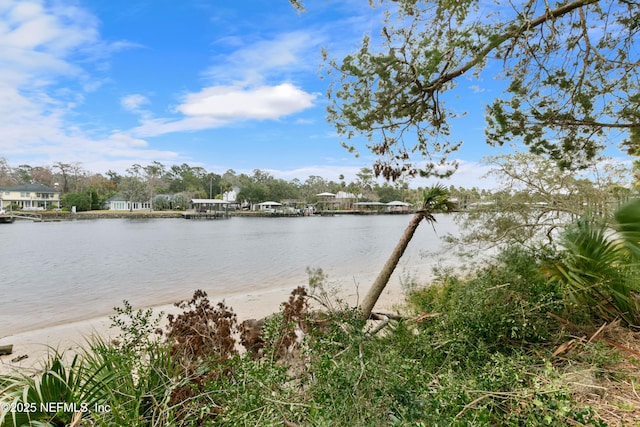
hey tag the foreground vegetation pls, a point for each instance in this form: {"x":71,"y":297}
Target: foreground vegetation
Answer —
{"x":497,"y":347}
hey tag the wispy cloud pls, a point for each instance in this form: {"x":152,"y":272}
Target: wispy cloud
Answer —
{"x":133,"y":102}
{"x":254,"y":62}
{"x":41,"y":83}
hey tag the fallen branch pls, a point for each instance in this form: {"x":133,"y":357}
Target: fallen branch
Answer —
{"x":594,"y":335}
{"x":425,"y":316}
{"x":379,"y":326}
{"x":382,"y":316}
{"x":597,"y":332}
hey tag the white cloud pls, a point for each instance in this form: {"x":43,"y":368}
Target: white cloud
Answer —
{"x":133,"y":102}
{"x":221,"y":105}
{"x":264,"y":102}
{"x":35,"y":39}
{"x":468,"y":175}
{"x":253,"y":63}
{"x":120,"y":140}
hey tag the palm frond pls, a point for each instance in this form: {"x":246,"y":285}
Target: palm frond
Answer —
{"x":599,"y":265}
{"x":436,"y":199}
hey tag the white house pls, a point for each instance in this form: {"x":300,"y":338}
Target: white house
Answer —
{"x":30,"y":196}
{"x":119,"y":203}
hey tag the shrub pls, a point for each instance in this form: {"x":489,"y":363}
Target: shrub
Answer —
{"x":600,"y":263}
{"x":505,"y":302}
{"x":201,"y":331}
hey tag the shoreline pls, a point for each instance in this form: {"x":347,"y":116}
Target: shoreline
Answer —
{"x":70,"y":337}
{"x":52,"y":216}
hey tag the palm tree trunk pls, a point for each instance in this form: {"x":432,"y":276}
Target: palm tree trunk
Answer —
{"x":385,"y":274}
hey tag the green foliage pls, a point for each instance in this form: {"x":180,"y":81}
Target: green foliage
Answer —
{"x":536,"y":199}
{"x":387,"y":193}
{"x":146,"y":375}
{"x":599,"y":268}
{"x":503,"y":303}
{"x":82,"y":201}
{"x":136,"y":327}
{"x":139,"y":394}
{"x":161,"y":202}
{"x":394,"y":89}
{"x":58,"y":393}
{"x":436,"y":199}
{"x":181,"y":201}
{"x":134,"y":189}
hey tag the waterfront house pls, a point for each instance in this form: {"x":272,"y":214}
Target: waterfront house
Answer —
{"x":370,"y":207}
{"x":346,"y":201}
{"x":119,"y":203}
{"x":30,"y":196}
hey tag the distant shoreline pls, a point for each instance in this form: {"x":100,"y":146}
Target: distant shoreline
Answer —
{"x":146,"y":214}
{"x":98,"y":214}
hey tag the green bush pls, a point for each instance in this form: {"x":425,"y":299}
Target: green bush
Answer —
{"x":503,"y":303}
{"x":599,"y":265}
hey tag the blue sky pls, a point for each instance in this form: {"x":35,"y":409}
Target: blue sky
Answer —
{"x":220,"y":84}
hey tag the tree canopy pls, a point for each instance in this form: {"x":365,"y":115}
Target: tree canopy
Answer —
{"x":571,"y":73}
{"x":536,"y":199}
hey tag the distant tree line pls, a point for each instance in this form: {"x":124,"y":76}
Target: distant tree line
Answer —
{"x":534,"y":196}
{"x":153,"y":182}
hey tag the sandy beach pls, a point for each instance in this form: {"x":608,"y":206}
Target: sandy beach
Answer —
{"x":71,"y":337}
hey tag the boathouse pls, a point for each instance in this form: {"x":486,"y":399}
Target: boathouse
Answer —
{"x":207,"y":209}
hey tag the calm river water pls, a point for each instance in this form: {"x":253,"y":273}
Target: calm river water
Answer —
{"x":55,"y":272}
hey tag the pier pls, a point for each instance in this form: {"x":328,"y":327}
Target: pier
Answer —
{"x":205,"y":215}
{"x":9,"y":217}
{"x":208,"y":209}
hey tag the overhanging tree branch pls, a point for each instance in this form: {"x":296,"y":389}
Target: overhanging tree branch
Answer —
{"x":499,"y":40}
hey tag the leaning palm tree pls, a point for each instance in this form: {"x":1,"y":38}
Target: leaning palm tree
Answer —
{"x":434,"y":199}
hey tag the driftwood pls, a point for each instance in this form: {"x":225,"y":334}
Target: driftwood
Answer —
{"x":19,"y":358}
{"x":6,"y":349}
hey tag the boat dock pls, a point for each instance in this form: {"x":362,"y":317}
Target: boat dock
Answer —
{"x":6,"y":219}
{"x":205,"y":215}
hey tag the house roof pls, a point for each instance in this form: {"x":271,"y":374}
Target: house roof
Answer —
{"x":209,"y":201}
{"x":40,"y":188}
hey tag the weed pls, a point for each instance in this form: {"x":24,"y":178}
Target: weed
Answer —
{"x":136,"y":327}
{"x":202,"y":331}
